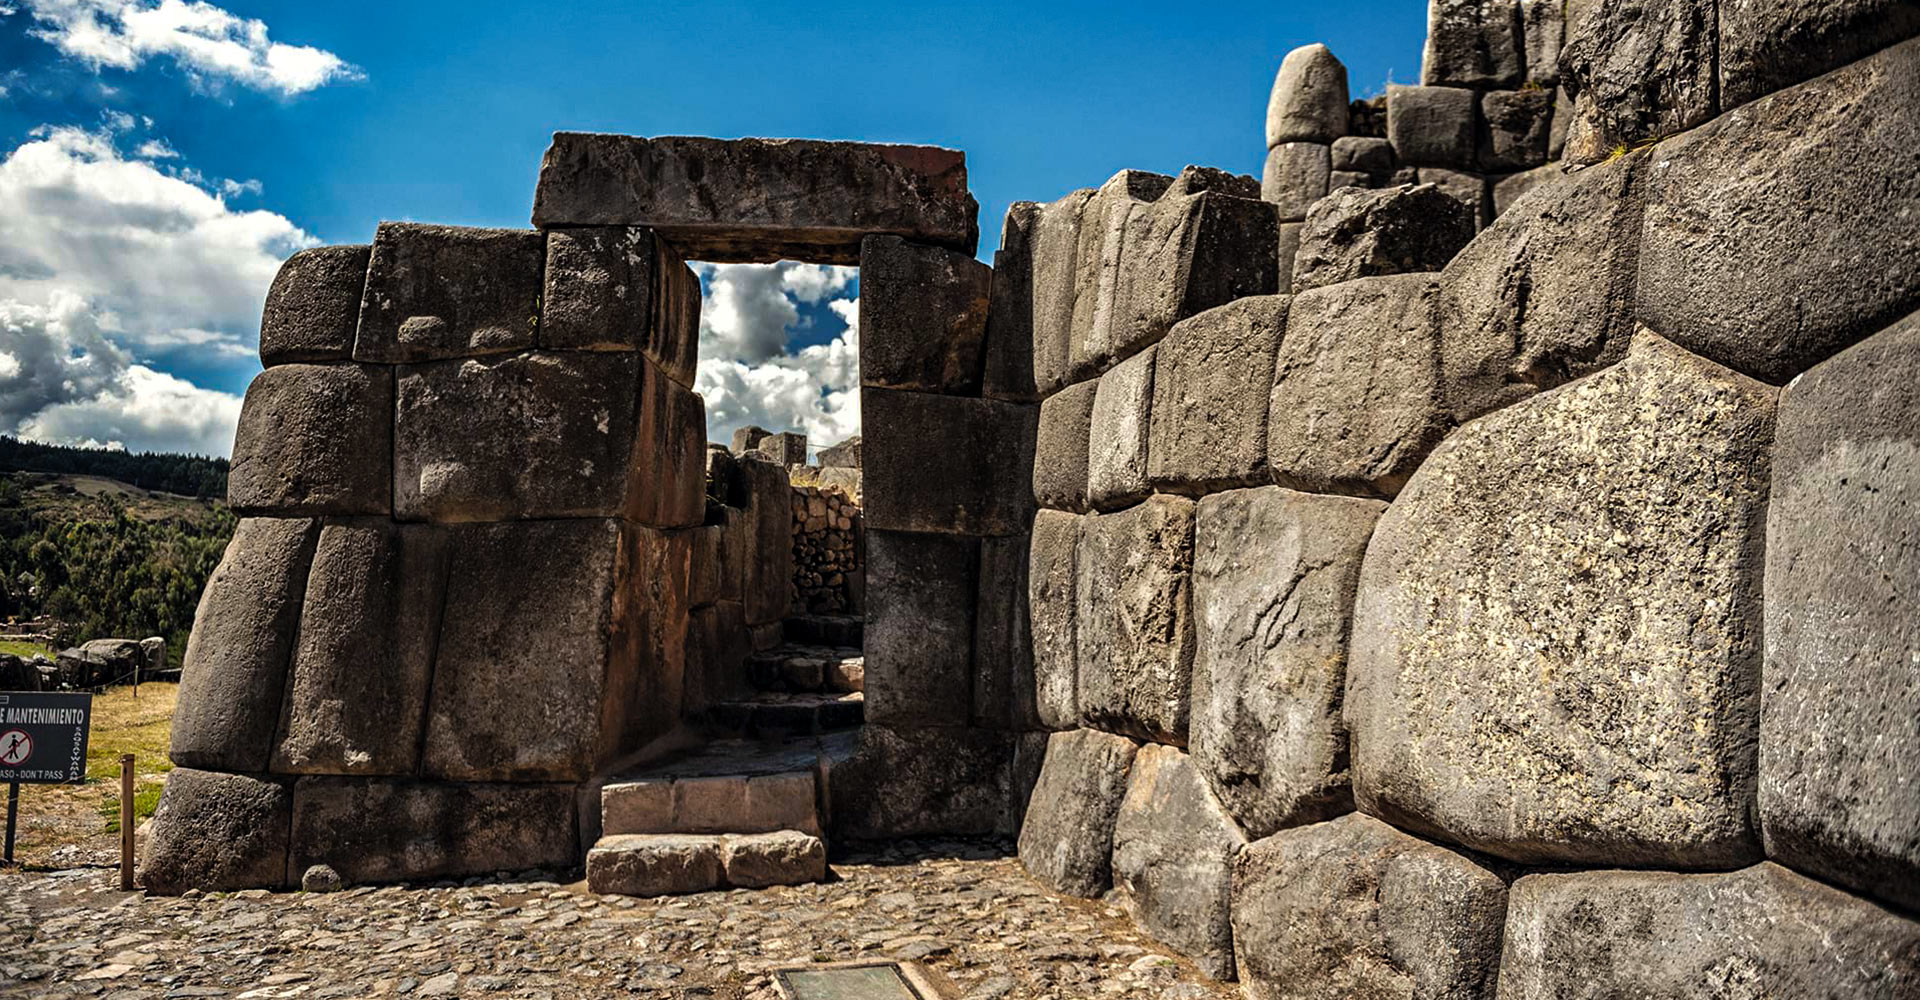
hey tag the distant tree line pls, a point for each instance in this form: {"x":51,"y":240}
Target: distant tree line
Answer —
{"x":188,"y":475}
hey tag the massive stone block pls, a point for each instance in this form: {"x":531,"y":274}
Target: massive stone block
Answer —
{"x":1274,"y":574}
{"x":1056,"y":269}
{"x":1133,"y":619}
{"x":1766,"y":45}
{"x":1515,"y":128}
{"x":1760,"y":932}
{"x":1640,"y":70}
{"x":571,"y":434}
{"x":357,"y":693}
{"x":1510,"y":189}
{"x":1356,"y":233}
{"x":1556,"y":643}
{"x":1771,"y":237}
{"x":616,"y":288}
{"x":766,"y":580}
{"x":1118,"y":434}
{"x":387,"y":830}
{"x":1355,"y":908}
{"x":1356,"y":402}
{"x":314,"y":439}
{"x":718,"y":645}
{"x":1473,"y":43}
{"x":313,"y":306}
{"x":947,"y":464}
{"x":758,"y":199}
{"x":1003,"y":682}
{"x":1370,"y":155}
{"x":1544,"y":30}
{"x":1067,"y":840}
{"x":1433,"y":126}
{"x":1296,"y":175}
{"x":560,"y":647}
{"x":1052,"y":600}
{"x":1010,"y":369}
{"x":923,"y":317}
{"x":1060,"y":450}
{"x":235,"y":670}
{"x":217,"y":833}
{"x":1545,"y":295}
{"x":1111,"y":218}
{"x":1173,"y":851}
{"x":926,"y":781}
{"x":1838,"y":749}
{"x":1207,"y":241}
{"x":1309,"y":99}
{"x":449,"y":292}
{"x":1208,"y":427}
{"x":920,"y":625}
{"x":1469,"y":189}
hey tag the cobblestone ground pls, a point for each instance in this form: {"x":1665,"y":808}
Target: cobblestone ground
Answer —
{"x":965,"y":909}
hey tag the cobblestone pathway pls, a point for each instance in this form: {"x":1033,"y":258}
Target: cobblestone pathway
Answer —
{"x":967,"y":910}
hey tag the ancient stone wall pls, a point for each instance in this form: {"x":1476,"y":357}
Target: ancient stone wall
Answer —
{"x":829,"y":562}
{"x":1526,"y":613}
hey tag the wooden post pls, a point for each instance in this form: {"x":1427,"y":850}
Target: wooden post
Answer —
{"x":126,"y":822}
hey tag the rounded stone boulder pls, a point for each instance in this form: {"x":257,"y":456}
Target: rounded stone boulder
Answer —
{"x":1309,"y":102}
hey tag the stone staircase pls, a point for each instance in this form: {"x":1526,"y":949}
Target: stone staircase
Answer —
{"x":748,"y":808}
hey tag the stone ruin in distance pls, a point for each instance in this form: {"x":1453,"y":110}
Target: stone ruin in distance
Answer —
{"x":1480,"y":557}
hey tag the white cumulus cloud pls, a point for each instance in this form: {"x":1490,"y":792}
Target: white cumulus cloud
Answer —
{"x":213,"y":45}
{"x":750,"y":374}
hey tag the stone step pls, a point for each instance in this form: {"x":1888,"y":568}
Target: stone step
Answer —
{"x":827,"y":630}
{"x":727,"y":786}
{"x":796,"y":667}
{"x":772,"y":715}
{"x":662,"y":864}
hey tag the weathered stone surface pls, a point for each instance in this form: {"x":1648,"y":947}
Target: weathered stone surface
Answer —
{"x":1118,"y":433}
{"x":388,"y":830}
{"x":1759,"y":932}
{"x":313,"y":306}
{"x":235,"y":670}
{"x":920,"y":624}
{"x":1473,"y":43}
{"x":217,"y":833}
{"x":1173,"y":850}
{"x":449,"y":292}
{"x":1544,"y":29}
{"x":1112,"y":218}
{"x":758,"y":199}
{"x":718,"y":645}
{"x":1060,"y":450}
{"x":784,"y":857}
{"x":1564,"y":585}
{"x":666,"y":475}
{"x":1514,"y":128}
{"x":1009,"y":370}
{"x":746,"y":439}
{"x":1210,"y":383}
{"x":321,"y":878}
{"x":925,"y":781}
{"x":1510,"y":189}
{"x":1056,"y":268}
{"x":358,"y":688}
{"x":1355,"y":908}
{"x":1067,"y":840}
{"x":1003,"y":691}
{"x":654,"y":864}
{"x":1296,"y":175}
{"x":1196,"y":180}
{"x":1842,"y":675}
{"x":1052,"y":581}
{"x":1274,"y":574}
{"x":1198,"y":246}
{"x":1309,"y":100}
{"x":923,"y":317}
{"x":767,"y":577}
{"x":1133,"y":619}
{"x":546,"y":606}
{"x":1545,"y":295}
{"x":1363,"y":154}
{"x":1400,"y":230}
{"x":1289,"y":247}
{"x":1470,"y":189}
{"x":314,"y":439}
{"x":947,"y":464}
{"x":1765,"y":45}
{"x":1346,"y":179}
{"x":616,"y":288}
{"x":1758,"y":226}
{"x":1357,"y":402}
{"x":845,"y":455}
{"x":1641,"y":70}
{"x":1433,"y":126}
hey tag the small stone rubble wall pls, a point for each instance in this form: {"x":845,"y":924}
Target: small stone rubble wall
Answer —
{"x":1518,"y":613}
{"x":829,"y":570}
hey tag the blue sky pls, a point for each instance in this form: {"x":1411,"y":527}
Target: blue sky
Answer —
{"x":305,"y":123}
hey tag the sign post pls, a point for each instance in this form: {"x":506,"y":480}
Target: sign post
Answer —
{"x":43,"y":741}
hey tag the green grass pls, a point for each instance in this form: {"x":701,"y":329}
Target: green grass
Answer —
{"x":24,"y":649}
{"x":146,"y":796}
